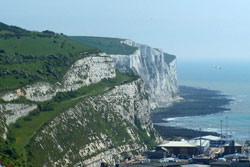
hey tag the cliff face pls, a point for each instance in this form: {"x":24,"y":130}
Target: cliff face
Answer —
{"x":10,"y":112}
{"x":84,"y":72}
{"x":114,"y":124}
{"x":156,"y":68}
{"x":89,"y":128}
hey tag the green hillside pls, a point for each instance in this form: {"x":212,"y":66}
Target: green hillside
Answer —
{"x":28,"y":56}
{"x":20,"y":133}
{"x":108,"y":45}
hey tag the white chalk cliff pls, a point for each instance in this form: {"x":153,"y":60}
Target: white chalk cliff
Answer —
{"x":156,"y":68}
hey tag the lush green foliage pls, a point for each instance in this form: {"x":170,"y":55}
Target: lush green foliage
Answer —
{"x":8,"y":155}
{"x":27,"y":56}
{"x":7,"y":32}
{"x":108,"y":45}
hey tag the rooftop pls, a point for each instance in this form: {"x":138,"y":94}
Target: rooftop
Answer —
{"x":197,"y":142}
{"x":235,"y":144}
{"x":209,"y":137}
{"x":182,"y":143}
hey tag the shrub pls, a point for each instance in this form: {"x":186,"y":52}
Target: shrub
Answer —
{"x":17,"y":125}
{"x":28,"y":118}
{"x":45,"y":107}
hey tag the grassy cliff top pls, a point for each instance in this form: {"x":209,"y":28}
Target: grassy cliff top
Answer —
{"x":108,"y":45}
{"x":17,"y":40}
{"x":113,"y":46}
{"x":29,"y":56}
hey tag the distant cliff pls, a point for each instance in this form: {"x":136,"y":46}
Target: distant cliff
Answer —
{"x":157,"y":69}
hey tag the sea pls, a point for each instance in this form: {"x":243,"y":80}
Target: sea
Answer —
{"x":231,"y":79}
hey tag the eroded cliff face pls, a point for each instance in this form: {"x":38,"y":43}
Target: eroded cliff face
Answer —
{"x":104,"y":127}
{"x":88,"y":71}
{"x":82,"y":73}
{"x":156,"y":68}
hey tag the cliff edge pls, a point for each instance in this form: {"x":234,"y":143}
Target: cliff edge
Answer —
{"x":157,"y":69}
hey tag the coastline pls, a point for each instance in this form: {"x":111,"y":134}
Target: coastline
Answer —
{"x":196,"y":102}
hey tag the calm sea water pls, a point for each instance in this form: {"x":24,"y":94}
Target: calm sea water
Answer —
{"x":232,"y":79}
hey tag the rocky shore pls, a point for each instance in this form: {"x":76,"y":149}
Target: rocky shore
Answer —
{"x":195,"y":102}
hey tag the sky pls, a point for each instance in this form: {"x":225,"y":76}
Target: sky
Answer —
{"x":204,"y":30}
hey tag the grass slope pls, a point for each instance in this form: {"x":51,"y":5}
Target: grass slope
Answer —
{"x":20,"y":133}
{"x":27,"y":56}
{"x":108,"y":45}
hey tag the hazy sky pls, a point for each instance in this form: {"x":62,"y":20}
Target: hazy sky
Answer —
{"x":190,"y":29}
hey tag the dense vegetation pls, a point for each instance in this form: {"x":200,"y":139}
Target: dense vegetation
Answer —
{"x":108,"y":45}
{"x":27,"y":56}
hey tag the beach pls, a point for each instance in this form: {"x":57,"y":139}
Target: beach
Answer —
{"x":196,"y":102}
